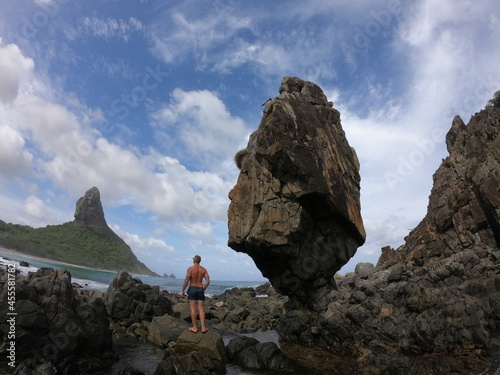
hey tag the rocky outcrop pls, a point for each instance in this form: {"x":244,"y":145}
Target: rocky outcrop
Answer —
{"x":432,"y":305}
{"x":239,"y":310}
{"x":209,"y":343}
{"x":129,"y":300}
{"x":89,"y":212}
{"x":251,"y":354}
{"x":165,"y":330}
{"x":295,"y":208}
{"x":464,"y":205}
{"x":57,"y":330}
{"x":131,"y":329}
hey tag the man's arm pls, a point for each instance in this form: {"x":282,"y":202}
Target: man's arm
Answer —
{"x":207,"y":280}
{"x":186,"y":281}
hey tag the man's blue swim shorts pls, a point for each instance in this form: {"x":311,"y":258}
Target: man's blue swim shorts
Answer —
{"x":196,"y":293}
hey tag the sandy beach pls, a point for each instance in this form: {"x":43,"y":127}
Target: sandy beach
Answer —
{"x":51,"y":260}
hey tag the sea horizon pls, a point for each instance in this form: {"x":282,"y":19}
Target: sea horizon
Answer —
{"x":99,"y":280}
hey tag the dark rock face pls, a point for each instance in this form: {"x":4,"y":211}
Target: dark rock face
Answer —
{"x":239,"y":344}
{"x":464,"y":205}
{"x":209,"y":343}
{"x":432,"y":305}
{"x":89,"y":211}
{"x":56,"y":327}
{"x":165,"y":329}
{"x":264,"y":356}
{"x":196,"y":362}
{"x":295,"y":208}
{"x":129,"y":300}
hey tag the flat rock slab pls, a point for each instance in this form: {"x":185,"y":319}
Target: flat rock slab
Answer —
{"x":209,"y":343}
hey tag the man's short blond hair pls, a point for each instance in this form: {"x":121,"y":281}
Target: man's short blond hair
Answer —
{"x":197,"y":259}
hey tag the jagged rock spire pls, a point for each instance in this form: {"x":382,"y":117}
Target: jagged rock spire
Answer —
{"x":89,"y":211}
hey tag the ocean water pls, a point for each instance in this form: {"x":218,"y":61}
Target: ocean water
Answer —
{"x":145,"y":356}
{"x":99,"y":280}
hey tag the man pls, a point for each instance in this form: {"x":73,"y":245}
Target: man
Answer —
{"x":196,"y":292}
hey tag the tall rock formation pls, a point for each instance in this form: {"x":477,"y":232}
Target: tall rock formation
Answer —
{"x":86,"y":241}
{"x":295,"y":208}
{"x":432,"y":305}
{"x":89,"y":212}
{"x":464,"y":204}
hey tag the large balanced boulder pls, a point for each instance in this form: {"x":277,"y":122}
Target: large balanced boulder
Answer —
{"x":295,"y":208}
{"x":56,"y":328}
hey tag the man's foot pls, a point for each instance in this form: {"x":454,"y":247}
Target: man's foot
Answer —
{"x":194,"y":330}
{"x":204,"y":330}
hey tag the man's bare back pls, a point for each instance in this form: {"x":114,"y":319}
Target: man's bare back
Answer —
{"x":196,"y":274}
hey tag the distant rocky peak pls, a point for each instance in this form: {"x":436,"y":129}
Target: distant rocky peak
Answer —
{"x":89,"y":211}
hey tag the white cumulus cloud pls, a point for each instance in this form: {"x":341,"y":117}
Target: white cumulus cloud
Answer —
{"x":201,"y":122}
{"x":15,"y":69}
{"x":15,"y":159}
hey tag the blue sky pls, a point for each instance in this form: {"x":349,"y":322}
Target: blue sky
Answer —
{"x":150,"y":100}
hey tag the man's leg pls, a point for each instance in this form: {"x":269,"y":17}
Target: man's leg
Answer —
{"x":201,"y":310}
{"x":192,"y":306}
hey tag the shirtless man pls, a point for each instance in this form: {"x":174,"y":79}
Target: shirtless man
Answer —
{"x":195,"y":293}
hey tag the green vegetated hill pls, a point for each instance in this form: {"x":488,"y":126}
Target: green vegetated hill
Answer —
{"x":73,"y":243}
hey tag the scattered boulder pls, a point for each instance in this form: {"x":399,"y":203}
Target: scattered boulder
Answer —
{"x":364,"y":270}
{"x":295,"y":208}
{"x":209,"y":343}
{"x":240,"y":310}
{"x":263,"y":289}
{"x":264,"y":356}
{"x":238,"y":344}
{"x":165,"y":329}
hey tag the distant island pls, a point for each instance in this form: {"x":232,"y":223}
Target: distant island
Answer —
{"x":171,"y":276}
{"x":87,"y":241}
